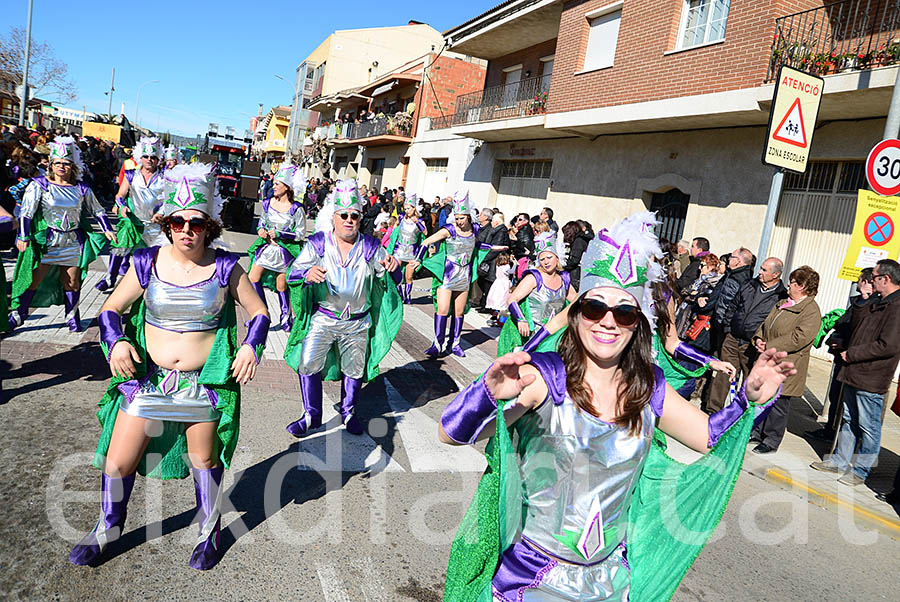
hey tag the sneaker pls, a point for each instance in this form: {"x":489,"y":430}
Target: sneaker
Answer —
{"x":892,"y":498}
{"x":851,"y":479}
{"x":763,"y":449}
{"x":825,"y":467}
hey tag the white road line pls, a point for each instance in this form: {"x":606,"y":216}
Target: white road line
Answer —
{"x":332,"y":587}
{"x":419,"y":434}
{"x":332,"y":448}
{"x":476,"y":360}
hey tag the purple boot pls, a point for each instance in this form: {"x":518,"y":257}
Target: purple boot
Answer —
{"x":407,"y":293}
{"x":208,"y":490}
{"x":18,"y":315}
{"x":113,"y":505}
{"x":350,"y":388}
{"x":440,"y":331}
{"x":455,"y":334}
{"x":287,"y":322}
{"x":311,"y":394}
{"x":73,"y":316}
{"x":115,"y":266}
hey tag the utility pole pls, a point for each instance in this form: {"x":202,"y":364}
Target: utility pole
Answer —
{"x":112,"y":88}
{"x":25,"y":68}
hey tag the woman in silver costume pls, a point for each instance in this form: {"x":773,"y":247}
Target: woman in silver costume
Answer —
{"x":547,"y":289}
{"x":404,"y":245}
{"x":52,"y":233}
{"x":455,"y":275}
{"x":281,"y":230}
{"x":177,"y":367}
{"x":583,"y":420}
{"x":137,"y":204}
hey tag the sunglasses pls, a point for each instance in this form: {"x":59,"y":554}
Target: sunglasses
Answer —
{"x":593,"y":310}
{"x":351,"y":215}
{"x":195,"y":224}
{"x":60,"y":164}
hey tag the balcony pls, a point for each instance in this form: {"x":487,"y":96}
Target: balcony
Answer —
{"x":521,"y":99}
{"x":845,"y":36}
{"x":381,"y":131}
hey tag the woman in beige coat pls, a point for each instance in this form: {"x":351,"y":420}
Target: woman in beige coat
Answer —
{"x":791,"y":326}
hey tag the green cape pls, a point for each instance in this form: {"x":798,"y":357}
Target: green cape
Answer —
{"x":268,"y":277}
{"x":510,"y":337}
{"x":674,"y":511}
{"x":50,"y":291}
{"x":385,"y":314}
{"x":165,"y":456}
{"x":129,"y":231}
{"x":395,"y":234}
{"x":435,"y":264}
{"x":4,"y":302}
{"x":676,"y":374}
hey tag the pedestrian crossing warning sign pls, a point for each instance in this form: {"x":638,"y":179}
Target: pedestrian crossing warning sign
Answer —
{"x":791,"y":130}
{"x":792,"y":119}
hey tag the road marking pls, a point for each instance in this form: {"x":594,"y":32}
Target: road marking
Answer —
{"x":419,"y":434}
{"x":332,"y":587}
{"x":332,"y":448}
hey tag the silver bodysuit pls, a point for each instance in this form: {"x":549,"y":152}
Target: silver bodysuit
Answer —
{"x":184,"y":308}
{"x":579,"y":474}
{"x":272,"y":256}
{"x":544,"y":302}
{"x":146,"y":200}
{"x":61,"y":207}
{"x":407,"y":240}
{"x":342,"y":317}
{"x":458,"y":265}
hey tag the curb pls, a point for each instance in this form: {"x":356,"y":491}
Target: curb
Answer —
{"x":884,"y":523}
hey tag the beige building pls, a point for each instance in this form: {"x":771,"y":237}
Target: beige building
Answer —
{"x":352,"y":58}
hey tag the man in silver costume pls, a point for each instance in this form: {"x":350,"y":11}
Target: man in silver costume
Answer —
{"x":344,"y":264}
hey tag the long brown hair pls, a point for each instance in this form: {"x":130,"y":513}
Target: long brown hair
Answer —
{"x":635,"y":371}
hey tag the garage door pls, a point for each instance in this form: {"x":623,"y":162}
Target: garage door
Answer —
{"x":435,"y":180}
{"x":523,"y":186}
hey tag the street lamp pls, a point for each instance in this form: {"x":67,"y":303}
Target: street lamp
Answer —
{"x":289,"y":138}
{"x":137,"y":105}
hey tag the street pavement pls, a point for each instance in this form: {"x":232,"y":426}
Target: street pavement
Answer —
{"x":340,"y":518}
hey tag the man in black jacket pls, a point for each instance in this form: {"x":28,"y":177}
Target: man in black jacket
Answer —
{"x":699,"y":248}
{"x":754,"y":300}
{"x":524,"y":243}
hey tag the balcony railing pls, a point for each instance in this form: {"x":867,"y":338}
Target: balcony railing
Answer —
{"x":844,"y":36}
{"x":525,"y":97}
{"x":380,"y":126}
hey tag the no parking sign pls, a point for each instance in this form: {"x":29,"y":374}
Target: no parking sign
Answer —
{"x":874,"y":234}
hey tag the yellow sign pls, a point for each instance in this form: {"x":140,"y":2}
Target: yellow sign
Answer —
{"x":874,"y":235}
{"x":103,"y":131}
{"x":792,"y":119}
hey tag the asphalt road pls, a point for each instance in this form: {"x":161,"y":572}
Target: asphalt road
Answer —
{"x":334,"y":517}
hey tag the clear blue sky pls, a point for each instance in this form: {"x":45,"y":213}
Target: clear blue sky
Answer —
{"x":215,"y":61}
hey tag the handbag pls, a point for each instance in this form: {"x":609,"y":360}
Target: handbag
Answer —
{"x":484,"y":269}
{"x":700,"y":324}
{"x":895,"y":407}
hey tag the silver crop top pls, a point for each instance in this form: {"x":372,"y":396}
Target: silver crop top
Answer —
{"x":192,"y":308}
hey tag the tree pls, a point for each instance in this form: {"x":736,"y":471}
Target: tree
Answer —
{"x":47,"y":74}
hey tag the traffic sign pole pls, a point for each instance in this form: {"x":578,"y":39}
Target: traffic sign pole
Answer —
{"x":769,"y":222}
{"x":25,"y":68}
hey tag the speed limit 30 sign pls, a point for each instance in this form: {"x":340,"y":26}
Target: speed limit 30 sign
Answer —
{"x":883,"y":167}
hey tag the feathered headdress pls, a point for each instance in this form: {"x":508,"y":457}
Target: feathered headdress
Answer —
{"x":546,"y":241}
{"x":63,"y":148}
{"x":346,"y":196}
{"x":623,"y":257}
{"x":171,"y":153}
{"x":192,"y":186}
{"x":461,"y":204}
{"x":411,"y":201}
{"x":292,"y":177}
{"x":147,"y":146}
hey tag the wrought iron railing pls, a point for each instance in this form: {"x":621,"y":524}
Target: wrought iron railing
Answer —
{"x":380,"y":126}
{"x":525,"y":97}
{"x":843,"y":36}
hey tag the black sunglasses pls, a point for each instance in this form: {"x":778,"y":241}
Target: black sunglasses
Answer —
{"x":352,"y":215}
{"x":196,"y":224}
{"x":593,"y":310}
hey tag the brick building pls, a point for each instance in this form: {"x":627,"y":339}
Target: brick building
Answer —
{"x":599,"y":108}
{"x":372,"y":129}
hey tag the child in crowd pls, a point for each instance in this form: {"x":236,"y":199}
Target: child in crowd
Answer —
{"x":498,"y":296}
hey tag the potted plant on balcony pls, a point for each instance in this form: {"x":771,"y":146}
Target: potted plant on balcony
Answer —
{"x":538,"y":104}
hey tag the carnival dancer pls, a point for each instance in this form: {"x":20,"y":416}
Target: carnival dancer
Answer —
{"x":404,"y":244}
{"x":281,"y":230}
{"x":7,"y":224}
{"x":347,"y":310}
{"x":540,"y":295}
{"x":137,"y":204}
{"x":588,"y":476}
{"x":55,"y":241}
{"x":455,"y":268}
{"x":171,"y":156}
{"x":177,"y":366}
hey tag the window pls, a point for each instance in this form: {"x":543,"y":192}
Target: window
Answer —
{"x":526,"y":169}
{"x":603,"y":36}
{"x":436,"y":165}
{"x":703,"y":21}
{"x":828,"y":176}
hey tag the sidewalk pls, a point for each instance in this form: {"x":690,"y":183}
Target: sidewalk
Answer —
{"x":789,"y":466}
